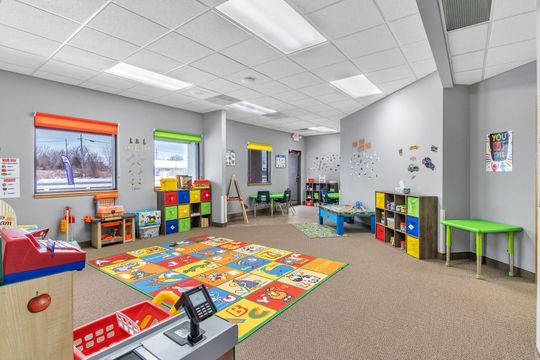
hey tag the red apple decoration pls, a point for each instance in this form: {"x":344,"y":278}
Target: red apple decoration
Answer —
{"x":39,"y":303}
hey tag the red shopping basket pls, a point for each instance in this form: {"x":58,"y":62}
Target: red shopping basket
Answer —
{"x":102,"y":333}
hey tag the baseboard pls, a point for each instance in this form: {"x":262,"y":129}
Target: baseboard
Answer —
{"x":222,"y":225}
{"x":85,"y":244}
{"x":240,"y":216}
{"x":489,"y":262}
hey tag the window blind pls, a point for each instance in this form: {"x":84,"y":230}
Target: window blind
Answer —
{"x":171,"y":135}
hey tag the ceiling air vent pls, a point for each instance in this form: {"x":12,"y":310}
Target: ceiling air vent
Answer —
{"x":462,"y":13}
{"x":275,"y":115}
{"x":222,"y":100}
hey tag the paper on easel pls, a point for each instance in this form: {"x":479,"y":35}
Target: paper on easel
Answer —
{"x":10,"y":186}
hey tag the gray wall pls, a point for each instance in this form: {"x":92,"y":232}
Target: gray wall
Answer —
{"x":21,"y":96}
{"x":238,"y":135}
{"x":321,"y":146}
{"x":411,"y":116}
{"x":456,"y":153}
{"x":506,"y":102}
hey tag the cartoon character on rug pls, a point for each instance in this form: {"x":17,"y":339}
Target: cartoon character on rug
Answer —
{"x":244,"y":285}
{"x":276,"y":270}
{"x":167,"y":277}
{"x":138,"y":274}
{"x":126,"y":267}
{"x":300,"y":276}
{"x":275,"y":294}
{"x":215,"y":276}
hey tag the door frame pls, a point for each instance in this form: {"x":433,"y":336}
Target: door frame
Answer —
{"x":298,"y":175}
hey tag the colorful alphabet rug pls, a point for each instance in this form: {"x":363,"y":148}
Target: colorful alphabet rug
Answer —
{"x":315,"y":230}
{"x":250,"y":284}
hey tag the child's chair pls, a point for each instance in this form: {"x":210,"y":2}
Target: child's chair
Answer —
{"x":263,"y":198}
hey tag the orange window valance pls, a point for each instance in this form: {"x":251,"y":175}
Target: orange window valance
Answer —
{"x":61,"y":122}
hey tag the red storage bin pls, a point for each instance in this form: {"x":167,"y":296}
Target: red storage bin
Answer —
{"x":309,"y":203}
{"x":379,"y":235}
{"x":111,"y":329}
{"x":171,"y":198}
{"x":206,"y":196}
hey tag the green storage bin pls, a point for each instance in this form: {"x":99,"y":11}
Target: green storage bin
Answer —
{"x":413,"y":206}
{"x":206,"y":208}
{"x":316,"y":196}
{"x":171,"y":213}
{"x":184,"y":225}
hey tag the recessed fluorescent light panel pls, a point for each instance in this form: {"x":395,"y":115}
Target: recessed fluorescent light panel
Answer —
{"x":274,"y":21}
{"x":147,"y":77}
{"x":356,"y":86}
{"x":251,"y":108}
{"x":323,"y":129}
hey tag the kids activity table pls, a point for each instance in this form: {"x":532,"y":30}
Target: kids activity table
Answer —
{"x":339,"y":214}
{"x":273,"y":196}
{"x":480,"y":227}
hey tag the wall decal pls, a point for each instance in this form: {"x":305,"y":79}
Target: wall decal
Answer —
{"x":230,"y":158}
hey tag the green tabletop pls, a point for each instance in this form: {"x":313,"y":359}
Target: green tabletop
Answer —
{"x":333,"y":195}
{"x":481,"y":226}
{"x":273,"y":196}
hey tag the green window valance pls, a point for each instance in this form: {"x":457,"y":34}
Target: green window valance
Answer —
{"x":176,"y":136}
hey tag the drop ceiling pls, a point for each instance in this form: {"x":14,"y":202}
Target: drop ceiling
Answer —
{"x":487,"y":49}
{"x":75,"y":41}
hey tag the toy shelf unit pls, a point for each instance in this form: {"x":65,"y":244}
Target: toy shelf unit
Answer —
{"x":409,"y":220}
{"x":111,"y":225}
{"x":184,"y":209}
{"x":313,"y":191}
{"x":147,"y":223}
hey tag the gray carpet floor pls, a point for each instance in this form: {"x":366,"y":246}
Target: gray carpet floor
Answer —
{"x":384,"y":305}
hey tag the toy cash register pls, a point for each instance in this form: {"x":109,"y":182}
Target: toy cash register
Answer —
{"x":24,"y":257}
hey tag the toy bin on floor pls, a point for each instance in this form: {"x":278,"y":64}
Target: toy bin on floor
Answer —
{"x":148,"y":232}
{"x":111,"y":329}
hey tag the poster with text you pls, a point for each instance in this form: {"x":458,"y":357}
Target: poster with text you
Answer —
{"x":499,"y":152}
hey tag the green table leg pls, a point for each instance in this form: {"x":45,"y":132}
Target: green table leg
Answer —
{"x":479,"y":255}
{"x":511,"y":272}
{"x":448,"y":244}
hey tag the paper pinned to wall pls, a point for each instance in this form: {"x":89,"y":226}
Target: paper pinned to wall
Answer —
{"x":499,"y":152}
{"x":10,"y":178}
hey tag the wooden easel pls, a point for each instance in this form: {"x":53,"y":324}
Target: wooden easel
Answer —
{"x":238,"y":197}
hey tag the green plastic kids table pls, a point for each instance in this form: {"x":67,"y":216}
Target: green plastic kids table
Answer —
{"x":273,"y":196}
{"x":480,"y":227}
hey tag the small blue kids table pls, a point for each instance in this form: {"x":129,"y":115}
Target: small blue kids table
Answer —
{"x":339,"y":214}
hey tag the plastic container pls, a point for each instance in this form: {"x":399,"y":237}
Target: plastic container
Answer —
{"x":148,"y":232}
{"x":148,"y":217}
{"x":168,"y":184}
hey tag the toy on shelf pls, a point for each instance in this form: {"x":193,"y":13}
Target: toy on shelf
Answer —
{"x":24,"y":257}
{"x":184,"y":181}
{"x":168,"y":184}
{"x":147,"y":223}
{"x":112,"y":224}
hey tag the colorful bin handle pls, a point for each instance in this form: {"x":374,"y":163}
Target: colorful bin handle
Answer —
{"x":167,"y":295}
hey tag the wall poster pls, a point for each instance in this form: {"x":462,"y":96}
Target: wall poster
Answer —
{"x":10,"y":178}
{"x":230,"y":158}
{"x":499,"y":152}
{"x":281,"y":161}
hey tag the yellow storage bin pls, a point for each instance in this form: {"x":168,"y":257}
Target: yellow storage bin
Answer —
{"x":379,"y":200}
{"x":413,"y":246}
{"x":195,"y":196}
{"x":168,"y":184}
{"x":183,"y":211}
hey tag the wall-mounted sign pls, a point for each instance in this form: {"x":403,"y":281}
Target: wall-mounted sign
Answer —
{"x":281,"y":161}
{"x":10,"y":186}
{"x":499,"y":152}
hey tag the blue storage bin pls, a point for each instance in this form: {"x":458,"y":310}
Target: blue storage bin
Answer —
{"x":171,"y":227}
{"x":183,"y":197}
{"x":412,"y":226}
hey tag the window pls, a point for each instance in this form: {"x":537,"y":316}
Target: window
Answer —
{"x":175,"y":154}
{"x":73,"y":155}
{"x":259,"y":158}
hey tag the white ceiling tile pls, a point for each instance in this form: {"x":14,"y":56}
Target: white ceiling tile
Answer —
{"x":505,"y":8}
{"x":69,"y":70}
{"x":246,"y":94}
{"x":522,"y":51}
{"x":283,"y":106}
{"x":35,"y":21}
{"x":424,"y":67}
{"x":73,"y":9}
{"x":332,"y":97}
{"x":331,"y":113}
{"x":218,"y":64}
{"x":306,"y":103}
{"x":175,"y":99}
{"x":102,"y":44}
{"x":417,"y":51}
{"x":151,"y":91}
{"x":270,"y":88}
{"x":221,"y":85}
{"x":198,"y":92}
{"x":499,"y":69}
{"x":514,"y":29}
{"x":381,"y":60}
{"x":346,"y":17}
{"x":469,"y":61}
{"x":136,"y":95}
{"x":279,"y":68}
{"x":366,"y":42}
{"x":212,"y":3}
{"x":468,"y":39}
{"x":391,"y":86}
{"x":126,"y":25}
{"x":292,"y":95}
{"x":99,"y":87}
{"x":336,"y":71}
{"x":16,"y":68}
{"x":301,"y":80}
{"x":55,"y":77}
{"x":112,"y":81}
{"x":395,"y":9}
{"x":296,"y":112}
{"x":307,"y":6}
{"x":347,"y":106}
{"x":191,"y":75}
{"x":408,"y":30}
{"x":391,"y":74}
{"x":468,"y":77}
{"x":213,"y":31}
{"x":180,"y":48}
{"x":251,"y":52}
{"x":169,"y":13}
{"x":75,"y":56}
{"x":267,"y":101}
{"x":318,"y":56}
{"x":320,"y":107}
{"x":201,"y":107}
{"x":248,"y":73}
{"x":28,"y":42}
{"x":149,"y":60}
{"x":20,"y":58}
{"x":317,"y":90}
